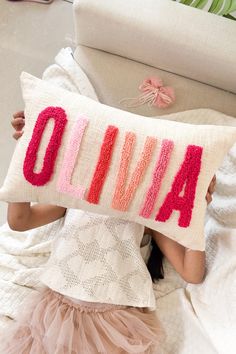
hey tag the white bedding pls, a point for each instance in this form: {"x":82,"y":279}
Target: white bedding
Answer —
{"x":197,"y":318}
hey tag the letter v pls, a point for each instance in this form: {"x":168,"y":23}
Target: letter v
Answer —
{"x":122,"y":197}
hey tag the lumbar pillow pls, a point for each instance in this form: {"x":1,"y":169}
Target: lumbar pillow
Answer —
{"x":78,"y":153}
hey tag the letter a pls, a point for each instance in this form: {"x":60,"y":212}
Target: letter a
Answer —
{"x":186,"y":176}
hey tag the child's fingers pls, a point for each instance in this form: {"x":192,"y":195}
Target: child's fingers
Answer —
{"x":18,"y":123}
{"x":211,"y":187}
{"x":19,"y":114}
{"x":17,"y":135}
{"x":208,"y":198}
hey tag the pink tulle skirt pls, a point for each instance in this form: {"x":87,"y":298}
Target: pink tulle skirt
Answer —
{"x":53,"y":324}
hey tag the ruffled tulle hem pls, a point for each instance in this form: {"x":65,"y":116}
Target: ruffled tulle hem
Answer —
{"x":53,"y":324}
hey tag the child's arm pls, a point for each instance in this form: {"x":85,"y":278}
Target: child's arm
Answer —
{"x":188,"y":263}
{"x":23,"y":216}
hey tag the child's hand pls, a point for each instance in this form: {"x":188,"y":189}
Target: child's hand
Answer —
{"x":18,"y":123}
{"x":211,"y":190}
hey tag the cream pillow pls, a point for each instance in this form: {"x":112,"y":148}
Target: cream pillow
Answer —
{"x":78,"y":153}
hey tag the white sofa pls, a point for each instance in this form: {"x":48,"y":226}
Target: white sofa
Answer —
{"x":120,"y":43}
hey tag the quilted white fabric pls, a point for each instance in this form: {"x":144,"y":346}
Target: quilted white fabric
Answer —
{"x":215,"y":299}
{"x":97,"y":258}
{"x":22,"y":258}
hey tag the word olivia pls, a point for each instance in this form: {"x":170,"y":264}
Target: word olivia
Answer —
{"x":185,"y":179}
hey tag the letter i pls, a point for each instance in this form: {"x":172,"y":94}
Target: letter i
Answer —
{"x":64,"y":181}
{"x":103,"y":165}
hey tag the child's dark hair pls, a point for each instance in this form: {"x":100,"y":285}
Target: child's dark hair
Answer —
{"x":154,"y":264}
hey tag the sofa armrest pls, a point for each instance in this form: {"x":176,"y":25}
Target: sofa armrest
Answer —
{"x":162,"y":34}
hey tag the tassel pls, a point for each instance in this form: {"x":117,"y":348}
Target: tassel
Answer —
{"x":153,"y":93}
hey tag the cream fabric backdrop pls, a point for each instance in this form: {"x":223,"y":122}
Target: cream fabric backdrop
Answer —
{"x":114,"y":78}
{"x":163,"y":34}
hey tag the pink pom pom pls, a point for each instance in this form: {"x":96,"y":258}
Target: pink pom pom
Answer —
{"x":153,"y":93}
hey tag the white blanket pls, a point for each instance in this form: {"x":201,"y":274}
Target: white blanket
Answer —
{"x":197,"y":318}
